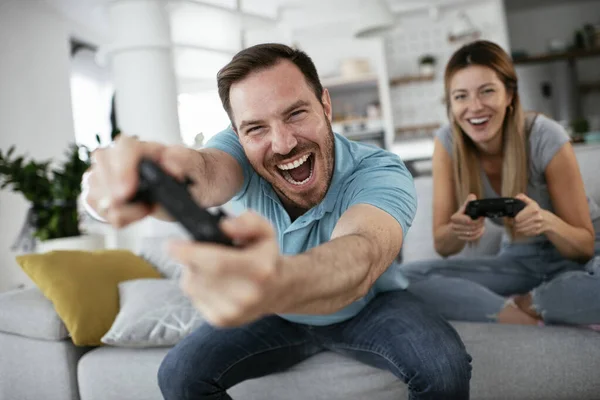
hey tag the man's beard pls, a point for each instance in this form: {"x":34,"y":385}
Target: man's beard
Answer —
{"x":327,"y":152}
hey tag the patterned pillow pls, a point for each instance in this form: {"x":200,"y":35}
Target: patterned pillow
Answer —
{"x":153,"y":313}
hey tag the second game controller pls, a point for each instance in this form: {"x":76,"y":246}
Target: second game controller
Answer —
{"x":156,"y":186}
{"x":494,"y":207}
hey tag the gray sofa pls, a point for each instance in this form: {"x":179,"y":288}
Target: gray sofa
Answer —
{"x":38,"y":361}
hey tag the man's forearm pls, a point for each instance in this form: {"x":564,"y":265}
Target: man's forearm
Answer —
{"x":328,"y":277}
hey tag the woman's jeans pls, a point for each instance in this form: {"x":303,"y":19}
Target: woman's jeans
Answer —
{"x":395,"y":331}
{"x":475,"y":289}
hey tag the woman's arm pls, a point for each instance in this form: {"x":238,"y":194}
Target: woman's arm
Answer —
{"x":446,"y":243}
{"x":570,"y":227}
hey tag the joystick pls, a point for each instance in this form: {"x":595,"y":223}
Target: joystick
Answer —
{"x":494,"y":208}
{"x":156,"y":186}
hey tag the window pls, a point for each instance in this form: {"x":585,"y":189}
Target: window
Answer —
{"x":204,"y":39}
{"x":201,"y":112}
{"x":91,"y":97}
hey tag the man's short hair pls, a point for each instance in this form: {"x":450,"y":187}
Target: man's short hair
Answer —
{"x":260,"y":57}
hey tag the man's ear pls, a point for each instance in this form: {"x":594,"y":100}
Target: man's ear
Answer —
{"x":326,"y":101}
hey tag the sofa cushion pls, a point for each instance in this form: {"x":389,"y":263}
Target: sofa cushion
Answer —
{"x":28,"y":313}
{"x":153,"y":313}
{"x":82,"y":285}
{"x":120,"y":374}
{"x":32,"y":369}
{"x":509,"y":362}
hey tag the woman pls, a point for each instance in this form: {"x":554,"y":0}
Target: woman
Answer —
{"x":546,"y":269}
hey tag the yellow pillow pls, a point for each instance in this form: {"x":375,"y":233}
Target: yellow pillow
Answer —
{"x":83,"y":286}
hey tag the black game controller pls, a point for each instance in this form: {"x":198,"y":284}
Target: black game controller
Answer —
{"x":155,"y":186}
{"x":494,"y":208}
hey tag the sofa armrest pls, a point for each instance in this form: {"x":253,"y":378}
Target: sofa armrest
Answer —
{"x":29,"y":313}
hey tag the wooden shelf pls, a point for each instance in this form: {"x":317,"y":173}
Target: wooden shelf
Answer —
{"x":357,"y":120}
{"x":589,"y":87}
{"x":417,"y":128}
{"x":350,"y":83}
{"x":365,"y":135}
{"x":568,"y":55}
{"x":403,"y":80}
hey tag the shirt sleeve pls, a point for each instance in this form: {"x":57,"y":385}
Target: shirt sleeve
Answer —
{"x":385,"y":183}
{"x":444,"y":134}
{"x":547,"y":137}
{"x":227,"y":141}
{"x":85,"y":189}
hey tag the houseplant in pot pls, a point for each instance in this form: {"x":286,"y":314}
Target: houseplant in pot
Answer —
{"x":427,"y":64}
{"x":52,"y":190}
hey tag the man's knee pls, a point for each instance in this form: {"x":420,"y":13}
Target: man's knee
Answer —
{"x":171,"y":373}
{"x":178,"y":379}
{"x":446,"y":376}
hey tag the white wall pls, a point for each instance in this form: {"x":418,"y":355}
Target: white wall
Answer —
{"x":35,"y":105}
{"x":531,"y":30}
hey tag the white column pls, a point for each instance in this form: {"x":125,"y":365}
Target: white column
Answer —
{"x":143,"y":71}
{"x":140,"y":58}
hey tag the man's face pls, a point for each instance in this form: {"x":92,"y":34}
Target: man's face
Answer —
{"x":286,"y":133}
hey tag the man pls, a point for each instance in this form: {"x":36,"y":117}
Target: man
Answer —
{"x":311,"y":273}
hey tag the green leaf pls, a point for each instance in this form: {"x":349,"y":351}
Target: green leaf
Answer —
{"x":40,"y":185}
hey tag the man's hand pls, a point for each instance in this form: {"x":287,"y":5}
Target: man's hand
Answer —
{"x":463,"y":227}
{"x":113,"y":178}
{"x":233,"y":286}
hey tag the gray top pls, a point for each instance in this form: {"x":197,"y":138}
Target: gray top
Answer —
{"x":545,"y":139}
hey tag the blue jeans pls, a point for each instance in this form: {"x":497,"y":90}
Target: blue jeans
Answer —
{"x":395,"y":331}
{"x":475,"y":289}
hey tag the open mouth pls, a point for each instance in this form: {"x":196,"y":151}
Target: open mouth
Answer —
{"x":298,"y":172}
{"x":479,"y":122}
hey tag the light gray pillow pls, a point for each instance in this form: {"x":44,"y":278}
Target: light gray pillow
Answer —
{"x":153,"y":313}
{"x":153,"y":250}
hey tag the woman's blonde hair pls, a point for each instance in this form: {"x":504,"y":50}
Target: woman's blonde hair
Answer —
{"x":466,"y":165}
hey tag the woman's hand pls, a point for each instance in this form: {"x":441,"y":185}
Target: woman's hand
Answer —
{"x":532,"y":220}
{"x":463,"y":227}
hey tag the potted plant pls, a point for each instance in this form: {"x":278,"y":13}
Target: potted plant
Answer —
{"x":580,"y":127}
{"x":427,"y":64}
{"x":52,"y":191}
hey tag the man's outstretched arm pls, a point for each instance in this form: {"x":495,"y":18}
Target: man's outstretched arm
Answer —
{"x":233,"y":286}
{"x":364,"y":243}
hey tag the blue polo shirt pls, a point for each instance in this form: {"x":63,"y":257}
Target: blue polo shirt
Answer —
{"x":363,"y":174}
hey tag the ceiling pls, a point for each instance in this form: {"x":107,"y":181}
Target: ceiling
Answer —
{"x":90,"y":15}
{"x":90,"y":22}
